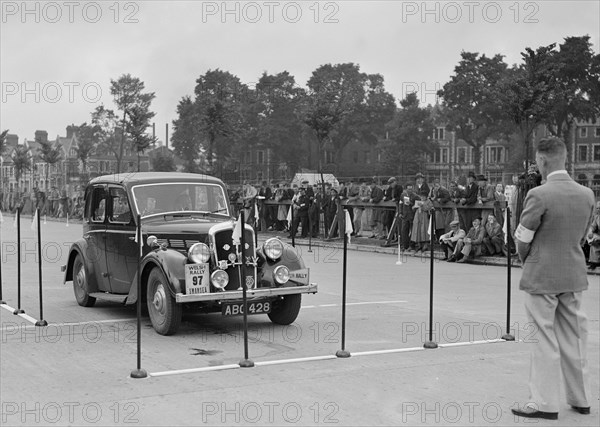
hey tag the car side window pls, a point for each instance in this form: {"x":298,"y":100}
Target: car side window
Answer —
{"x":98,"y":205}
{"x":120,"y":211}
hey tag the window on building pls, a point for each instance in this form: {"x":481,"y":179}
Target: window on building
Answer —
{"x":367,"y":157}
{"x":597,"y":132}
{"x":582,"y":179}
{"x":328,"y":156}
{"x":596,"y":185}
{"x":583,"y":132}
{"x":355,"y":156}
{"x":582,"y":153}
{"x":461,"y":155}
{"x":438,"y":133}
{"x":596,"y":153}
{"x":259,"y":176}
{"x":495,"y":155}
{"x":260,"y":157}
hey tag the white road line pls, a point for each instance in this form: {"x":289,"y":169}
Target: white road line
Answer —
{"x":68,"y":324}
{"x":23,"y":315}
{"x":353,"y":303}
{"x":314,"y":358}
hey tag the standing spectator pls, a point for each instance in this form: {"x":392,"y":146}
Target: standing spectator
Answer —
{"x":485,"y":194}
{"x":554,"y":222}
{"x":510,"y":192}
{"x":494,"y":237}
{"x":249,"y":193}
{"x":330,"y":208}
{"x":300,"y":205}
{"x":367,"y":215}
{"x":281,"y":195}
{"x":499,"y":203}
{"x":392,"y":194}
{"x":456,"y":193}
{"x":421,"y":219}
{"x":264,"y":194}
{"x":472,"y":244}
{"x":376,"y":197}
{"x":352,"y":193}
{"x":54,"y":199}
{"x":314,"y":211}
{"x":450,"y":240}
{"x":272,"y":209}
{"x":468,"y":201}
{"x":359,"y":210}
{"x":407,"y":215}
{"x":443,"y":215}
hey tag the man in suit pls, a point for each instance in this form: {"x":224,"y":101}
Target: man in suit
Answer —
{"x":450,"y":239}
{"x":553,"y":224}
{"x":469,"y":200}
{"x":472,"y":243}
{"x":494,"y":237}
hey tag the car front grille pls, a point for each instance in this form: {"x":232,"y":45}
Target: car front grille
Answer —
{"x":178,"y":244}
{"x":224,"y":246}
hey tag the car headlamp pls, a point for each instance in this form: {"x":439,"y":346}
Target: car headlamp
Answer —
{"x":281,"y":274}
{"x":199,"y":253}
{"x":273,"y":249}
{"x":219,"y":279}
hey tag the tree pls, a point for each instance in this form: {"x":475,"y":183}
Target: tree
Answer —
{"x":468,"y":100}
{"x":107,"y":133}
{"x":22,"y":159}
{"x":186,"y":139}
{"x":3,"y":141}
{"x":527,"y":93}
{"x":86,"y":143}
{"x":577,"y":89}
{"x":163,"y":162}
{"x":409,"y":138}
{"x":129,"y":96}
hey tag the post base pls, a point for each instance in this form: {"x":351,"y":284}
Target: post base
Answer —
{"x":2,"y":302}
{"x":19,"y":311}
{"x":430,"y":344}
{"x":246,"y":363}
{"x":399,"y":262}
{"x":342,"y":353}
{"x":508,"y":337}
{"x":139,"y":373}
{"x":41,"y":322}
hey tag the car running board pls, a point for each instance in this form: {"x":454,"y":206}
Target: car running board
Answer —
{"x":109,"y":297}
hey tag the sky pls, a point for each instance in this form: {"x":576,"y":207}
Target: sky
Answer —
{"x":57,"y":58}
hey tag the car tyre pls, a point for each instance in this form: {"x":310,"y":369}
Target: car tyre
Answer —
{"x":285,"y":311}
{"x":80,"y":283}
{"x":165,"y":314}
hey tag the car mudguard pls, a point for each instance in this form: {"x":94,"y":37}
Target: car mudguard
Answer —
{"x":172,"y":264}
{"x":82,"y":248}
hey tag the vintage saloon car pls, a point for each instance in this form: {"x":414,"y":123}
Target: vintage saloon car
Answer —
{"x":191,"y":252}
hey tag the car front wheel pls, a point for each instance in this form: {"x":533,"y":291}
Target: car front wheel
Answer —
{"x":80,"y":283}
{"x":285,"y":311}
{"x":165,"y":313}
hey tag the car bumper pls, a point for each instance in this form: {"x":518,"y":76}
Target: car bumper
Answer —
{"x":251,"y":293}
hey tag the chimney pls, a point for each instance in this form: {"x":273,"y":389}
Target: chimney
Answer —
{"x":41,"y":135}
{"x":71,"y":130}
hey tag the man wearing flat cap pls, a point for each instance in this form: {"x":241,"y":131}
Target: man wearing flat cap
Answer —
{"x":469,"y":201}
{"x":449,"y":240}
{"x":485,"y":193}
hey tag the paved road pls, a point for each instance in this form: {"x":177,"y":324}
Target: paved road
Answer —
{"x":76,"y":370}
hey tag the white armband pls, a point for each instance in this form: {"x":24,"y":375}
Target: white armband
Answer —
{"x":524,"y":234}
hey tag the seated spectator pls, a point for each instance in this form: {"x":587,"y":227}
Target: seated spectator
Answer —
{"x":450,"y":239}
{"x":593,"y":239}
{"x":472,"y":244}
{"x":494,"y":237}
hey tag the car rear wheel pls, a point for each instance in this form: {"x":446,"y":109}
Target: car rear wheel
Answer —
{"x":285,"y":311}
{"x":80,"y":283}
{"x":165,"y":313}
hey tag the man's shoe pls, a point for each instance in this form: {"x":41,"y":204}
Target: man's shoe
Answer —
{"x":452,"y":258}
{"x":528,"y":412}
{"x":462,"y":260}
{"x":583,"y":410}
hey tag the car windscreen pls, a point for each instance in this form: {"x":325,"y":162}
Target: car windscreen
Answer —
{"x":162,"y":198}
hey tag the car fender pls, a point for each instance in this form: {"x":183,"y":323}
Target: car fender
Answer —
{"x":82,"y":248}
{"x":291,"y":258}
{"x":171,"y":263}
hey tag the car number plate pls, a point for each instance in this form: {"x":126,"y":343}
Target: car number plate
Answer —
{"x":237,"y":309}
{"x":196,"y":279}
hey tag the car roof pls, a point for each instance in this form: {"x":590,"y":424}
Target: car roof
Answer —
{"x":134,"y":178}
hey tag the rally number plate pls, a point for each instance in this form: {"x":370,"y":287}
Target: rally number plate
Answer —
{"x":197,"y":279}
{"x":237,"y":309}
